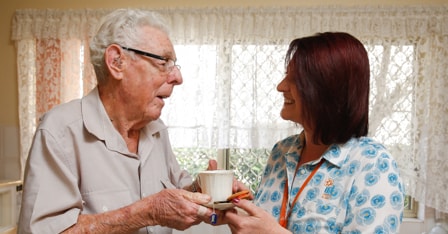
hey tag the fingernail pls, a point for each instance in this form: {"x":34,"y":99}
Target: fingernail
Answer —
{"x":214,"y":218}
{"x":236,"y":200}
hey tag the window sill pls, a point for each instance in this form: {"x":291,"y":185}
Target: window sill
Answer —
{"x":412,"y":220}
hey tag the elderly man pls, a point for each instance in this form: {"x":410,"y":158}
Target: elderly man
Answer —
{"x":104,"y":163}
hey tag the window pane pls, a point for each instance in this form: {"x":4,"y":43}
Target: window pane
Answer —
{"x":248,"y":165}
{"x":391,"y":95}
{"x":193,"y":159}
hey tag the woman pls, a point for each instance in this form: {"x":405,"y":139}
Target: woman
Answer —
{"x":330,"y":178}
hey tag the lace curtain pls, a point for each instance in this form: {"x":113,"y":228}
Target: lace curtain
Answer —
{"x":232,"y":59}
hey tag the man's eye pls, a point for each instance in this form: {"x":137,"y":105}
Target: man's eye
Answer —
{"x":163,"y":64}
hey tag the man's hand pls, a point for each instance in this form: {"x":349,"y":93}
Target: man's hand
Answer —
{"x":176,"y":208}
{"x":212,"y":165}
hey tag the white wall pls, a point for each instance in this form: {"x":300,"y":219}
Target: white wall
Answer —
{"x":9,"y":153}
{"x":9,"y":172}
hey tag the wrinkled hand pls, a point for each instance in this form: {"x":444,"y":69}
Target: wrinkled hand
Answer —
{"x":177,"y":208}
{"x":252,"y":219}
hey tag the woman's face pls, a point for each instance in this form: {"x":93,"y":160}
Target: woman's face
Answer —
{"x":292,"y":107}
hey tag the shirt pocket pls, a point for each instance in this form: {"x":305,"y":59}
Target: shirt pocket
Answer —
{"x":106,"y":200}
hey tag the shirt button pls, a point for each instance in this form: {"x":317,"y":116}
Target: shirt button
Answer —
{"x":105,"y":208}
{"x":302,"y":171}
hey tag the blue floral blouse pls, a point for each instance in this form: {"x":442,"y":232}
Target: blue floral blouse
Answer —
{"x":356,"y":190}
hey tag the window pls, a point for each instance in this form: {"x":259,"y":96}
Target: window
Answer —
{"x":410,"y":207}
{"x":246,"y":102}
{"x":392,"y":71}
{"x":254,"y":71}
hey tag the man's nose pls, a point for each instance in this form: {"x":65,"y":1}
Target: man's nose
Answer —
{"x":175,"y":77}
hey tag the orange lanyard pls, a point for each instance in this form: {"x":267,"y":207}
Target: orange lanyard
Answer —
{"x":283,"y":217}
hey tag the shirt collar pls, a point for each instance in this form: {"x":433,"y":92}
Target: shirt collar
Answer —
{"x":97,"y":123}
{"x":336,"y":154}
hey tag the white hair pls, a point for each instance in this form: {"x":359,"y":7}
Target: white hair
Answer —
{"x":123,"y":27}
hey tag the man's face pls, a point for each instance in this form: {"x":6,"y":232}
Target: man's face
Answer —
{"x":147,"y":81}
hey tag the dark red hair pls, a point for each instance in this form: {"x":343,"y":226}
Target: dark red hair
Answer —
{"x":331,"y":72}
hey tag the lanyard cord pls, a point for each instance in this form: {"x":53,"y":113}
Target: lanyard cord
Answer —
{"x":283,"y":217}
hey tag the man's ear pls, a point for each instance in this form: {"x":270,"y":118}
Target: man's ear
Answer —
{"x":115,"y":60}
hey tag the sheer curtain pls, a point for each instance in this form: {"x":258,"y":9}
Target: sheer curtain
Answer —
{"x":232,"y":59}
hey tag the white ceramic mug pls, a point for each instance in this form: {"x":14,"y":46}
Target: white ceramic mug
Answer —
{"x":216,"y":183}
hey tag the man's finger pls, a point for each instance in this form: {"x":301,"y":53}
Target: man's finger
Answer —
{"x":199,"y":198}
{"x":212,"y":165}
{"x":202,"y":211}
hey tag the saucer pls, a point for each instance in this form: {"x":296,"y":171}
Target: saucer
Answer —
{"x":220,"y":206}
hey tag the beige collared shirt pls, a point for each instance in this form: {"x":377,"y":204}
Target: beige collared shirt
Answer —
{"x":79,"y":164}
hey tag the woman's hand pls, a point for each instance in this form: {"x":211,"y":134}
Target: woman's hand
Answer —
{"x":251,"y":220}
{"x":239,"y":186}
